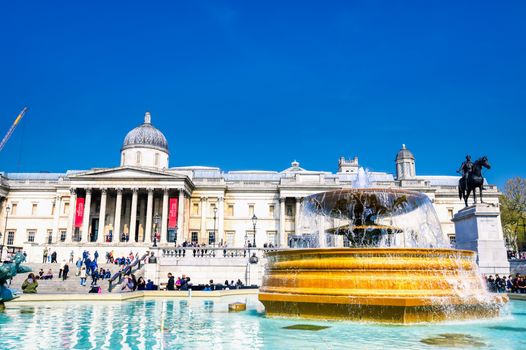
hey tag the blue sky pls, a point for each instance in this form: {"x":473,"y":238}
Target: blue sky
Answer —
{"x":246,"y":85}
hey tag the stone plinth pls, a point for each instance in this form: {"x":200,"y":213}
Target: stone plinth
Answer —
{"x":478,"y":228}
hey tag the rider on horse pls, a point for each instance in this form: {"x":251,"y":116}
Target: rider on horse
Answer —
{"x":465,"y":169}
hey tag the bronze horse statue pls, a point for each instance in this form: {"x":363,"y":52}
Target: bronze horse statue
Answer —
{"x":473,"y":180}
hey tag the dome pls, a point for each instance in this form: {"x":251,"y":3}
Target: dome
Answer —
{"x":404,"y":153}
{"x":146,"y":135}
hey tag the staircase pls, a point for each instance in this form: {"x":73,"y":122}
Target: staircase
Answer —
{"x":56,"y":286}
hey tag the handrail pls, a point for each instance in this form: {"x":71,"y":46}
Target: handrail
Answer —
{"x":127,"y":269}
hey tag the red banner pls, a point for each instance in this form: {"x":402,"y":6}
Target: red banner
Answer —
{"x":172,"y":212}
{"x":79,"y":212}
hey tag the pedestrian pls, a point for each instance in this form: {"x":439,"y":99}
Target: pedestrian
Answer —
{"x":71,"y":257}
{"x":54,"y":257}
{"x":96,"y":255}
{"x":44,"y":255}
{"x":83,"y":276}
{"x":65,"y":271}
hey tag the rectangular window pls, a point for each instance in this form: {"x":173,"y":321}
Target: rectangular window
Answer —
{"x":230,"y":238}
{"x":211,"y":238}
{"x":271,"y":210}
{"x":49,"y":236}
{"x":31,"y":236}
{"x":452,"y":239}
{"x":66,"y":209}
{"x":62,"y":235}
{"x":450,"y":212}
{"x":230,"y":210}
{"x":10,"y":237}
{"x":195,"y":209}
{"x":212,"y":212}
{"x":13,"y":209}
{"x":53,"y":205}
{"x":249,"y":237}
{"x":289,"y":210}
{"x":195,"y":236}
{"x":272,"y":238}
{"x":251,"y":210}
{"x":34,"y":208}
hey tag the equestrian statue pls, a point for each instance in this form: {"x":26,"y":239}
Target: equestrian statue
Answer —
{"x":472,"y":178}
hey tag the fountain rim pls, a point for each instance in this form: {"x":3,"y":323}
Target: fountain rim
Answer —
{"x":384,"y":251}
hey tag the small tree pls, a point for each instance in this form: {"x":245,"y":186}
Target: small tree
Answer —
{"x":513,"y":213}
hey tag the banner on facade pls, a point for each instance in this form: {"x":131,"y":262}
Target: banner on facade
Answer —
{"x":172,"y":212}
{"x":79,"y":212}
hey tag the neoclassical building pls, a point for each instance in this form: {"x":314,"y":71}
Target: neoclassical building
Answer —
{"x":144,"y":201}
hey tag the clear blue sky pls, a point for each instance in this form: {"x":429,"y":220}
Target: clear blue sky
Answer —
{"x":246,"y":85}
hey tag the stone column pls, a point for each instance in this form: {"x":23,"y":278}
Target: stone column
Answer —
{"x":133,"y":215}
{"x":282,"y":238}
{"x":164,"y":217}
{"x":297,"y":225}
{"x":85,"y":222}
{"x":102,"y":216}
{"x":149,"y":209}
{"x":118,"y":212}
{"x":220,"y":220}
{"x":71,"y":217}
{"x":56,"y":218}
{"x":180,"y":218}
{"x":204,"y":202}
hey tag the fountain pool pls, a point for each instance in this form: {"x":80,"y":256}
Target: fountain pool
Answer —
{"x":199,"y":323}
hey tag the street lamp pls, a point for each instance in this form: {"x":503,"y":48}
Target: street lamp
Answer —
{"x":7,"y":209}
{"x":215,"y":217}
{"x":254,"y":222}
{"x":156,"y":219}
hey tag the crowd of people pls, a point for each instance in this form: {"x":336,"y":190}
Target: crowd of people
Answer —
{"x":510,"y":284}
{"x":184,"y":283}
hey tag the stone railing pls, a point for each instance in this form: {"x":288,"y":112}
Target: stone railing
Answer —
{"x":210,"y":252}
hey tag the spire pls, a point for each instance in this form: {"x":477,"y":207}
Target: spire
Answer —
{"x":147,"y":118}
{"x":403,"y":145}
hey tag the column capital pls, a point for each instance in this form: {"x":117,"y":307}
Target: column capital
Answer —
{"x":134,"y":189}
{"x":166,"y":190}
{"x":73,"y":191}
{"x":220,"y":198}
{"x":88,"y":190}
{"x":103,"y":190}
{"x":204,"y":199}
{"x":150,"y":190}
{"x":282,"y":199}
{"x":119,"y":190}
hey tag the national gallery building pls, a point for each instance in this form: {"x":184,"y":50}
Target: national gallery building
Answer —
{"x":144,"y":201}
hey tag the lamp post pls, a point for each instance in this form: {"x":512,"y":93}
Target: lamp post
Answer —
{"x":215,"y":218}
{"x":254,"y":222}
{"x":7,"y":209}
{"x":156,"y":219}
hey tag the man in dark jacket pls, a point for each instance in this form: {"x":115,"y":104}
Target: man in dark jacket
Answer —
{"x":171,"y":282}
{"x":65,"y":271}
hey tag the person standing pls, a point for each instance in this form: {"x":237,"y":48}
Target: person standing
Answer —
{"x":171,"y":282}
{"x":65,"y":271}
{"x":96,"y":255}
{"x":83,"y":276}
{"x":71,"y":257}
{"x":54,"y":257}
{"x":44,"y":255}
{"x":79,"y":266}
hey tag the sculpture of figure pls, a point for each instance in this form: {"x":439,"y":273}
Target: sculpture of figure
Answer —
{"x":472,"y":178}
{"x":8,"y":271}
{"x":465,"y":168}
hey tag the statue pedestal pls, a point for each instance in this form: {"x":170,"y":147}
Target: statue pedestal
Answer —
{"x":478,"y":228}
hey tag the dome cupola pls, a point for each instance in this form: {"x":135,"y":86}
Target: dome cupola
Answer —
{"x":145,"y":146}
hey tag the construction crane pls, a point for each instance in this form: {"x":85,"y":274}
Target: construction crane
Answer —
{"x":12,"y":128}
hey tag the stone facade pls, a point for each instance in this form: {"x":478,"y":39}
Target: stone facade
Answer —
{"x":127,"y":207}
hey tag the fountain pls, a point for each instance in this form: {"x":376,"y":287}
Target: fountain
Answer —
{"x":393,"y":264}
{"x":7,"y":272}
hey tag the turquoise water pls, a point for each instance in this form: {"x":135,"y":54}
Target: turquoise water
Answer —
{"x":207,"y":324}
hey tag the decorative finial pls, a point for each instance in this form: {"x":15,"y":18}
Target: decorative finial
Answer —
{"x":295,"y":164}
{"x":147,"y":118}
{"x":403,"y":145}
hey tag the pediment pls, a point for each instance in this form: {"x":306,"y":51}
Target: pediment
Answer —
{"x":126,"y":173}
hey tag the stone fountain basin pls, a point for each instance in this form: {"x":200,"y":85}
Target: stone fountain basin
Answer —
{"x":396,"y":285}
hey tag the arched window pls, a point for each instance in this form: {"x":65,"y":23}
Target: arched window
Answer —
{"x":138,"y":157}
{"x":123,"y":158}
{"x":156,"y":159}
